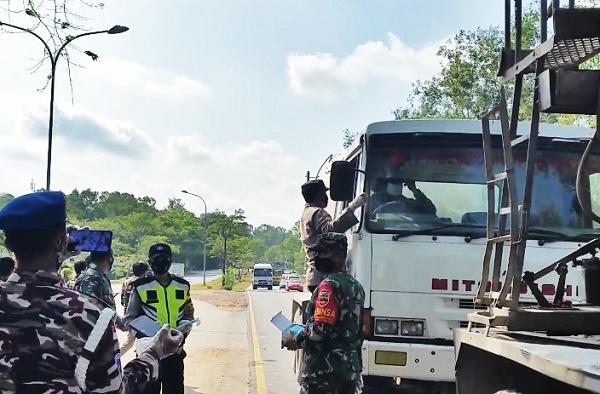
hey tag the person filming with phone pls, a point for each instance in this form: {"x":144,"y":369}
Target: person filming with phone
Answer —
{"x":54,"y":339}
{"x":164,"y":298}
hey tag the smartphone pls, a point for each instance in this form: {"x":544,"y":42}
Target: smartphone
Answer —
{"x":86,"y":240}
{"x":145,"y":326}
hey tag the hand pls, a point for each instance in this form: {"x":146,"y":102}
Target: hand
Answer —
{"x":166,"y":341}
{"x":358,"y":202}
{"x":290,"y":344}
{"x":411,"y":185}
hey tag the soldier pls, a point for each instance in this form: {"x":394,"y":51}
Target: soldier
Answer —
{"x":79,"y":267}
{"x":94,"y":281}
{"x":139,"y":271}
{"x":332,"y":338}
{"x":164,"y":298}
{"x":315,"y":220}
{"x":53,"y":339}
{"x":7,"y":265}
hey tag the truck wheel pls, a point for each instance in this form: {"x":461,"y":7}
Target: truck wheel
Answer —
{"x":255,"y":287}
{"x":270,"y":287}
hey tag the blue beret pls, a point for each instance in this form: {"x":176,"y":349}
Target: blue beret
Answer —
{"x":34,"y":210}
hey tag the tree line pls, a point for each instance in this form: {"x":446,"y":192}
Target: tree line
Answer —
{"x":137,"y":223}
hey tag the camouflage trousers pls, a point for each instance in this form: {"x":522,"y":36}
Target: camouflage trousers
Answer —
{"x":331,"y":387}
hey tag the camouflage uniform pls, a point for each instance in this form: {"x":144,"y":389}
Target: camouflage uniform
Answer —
{"x":95,"y":283}
{"x":55,"y":340}
{"x":332,"y":339}
{"x":126,"y":290}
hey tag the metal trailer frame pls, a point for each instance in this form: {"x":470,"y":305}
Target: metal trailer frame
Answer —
{"x":534,"y":349}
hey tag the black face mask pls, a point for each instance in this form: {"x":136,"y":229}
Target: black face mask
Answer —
{"x":160,"y":267}
{"x":323,"y":265}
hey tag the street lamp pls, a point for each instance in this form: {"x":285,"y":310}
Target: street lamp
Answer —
{"x":205,"y":233}
{"x":117,"y":29}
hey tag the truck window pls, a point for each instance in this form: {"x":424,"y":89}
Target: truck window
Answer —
{"x":263,"y":272}
{"x":452,"y":180}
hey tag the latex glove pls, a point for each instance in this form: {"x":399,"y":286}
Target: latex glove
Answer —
{"x":358,"y":202}
{"x":164,"y":342}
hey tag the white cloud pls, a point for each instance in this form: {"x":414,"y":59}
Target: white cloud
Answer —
{"x":153,"y":82}
{"x":325,"y":77}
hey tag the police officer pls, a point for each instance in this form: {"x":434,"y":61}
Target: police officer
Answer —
{"x":79,"y":267}
{"x":332,"y":338}
{"x":164,"y":298}
{"x":94,"y":281}
{"x":315,"y":220}
{"x":53,"y":339}
{"x":139,"y":271}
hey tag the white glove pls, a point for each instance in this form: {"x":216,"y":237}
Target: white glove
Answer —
{"x":164,"y":342}
{"x":358,"y":202}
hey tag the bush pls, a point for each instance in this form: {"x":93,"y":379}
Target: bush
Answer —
{"x":229,"y":279}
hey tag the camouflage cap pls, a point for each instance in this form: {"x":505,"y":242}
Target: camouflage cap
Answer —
{"x":330,"y":241}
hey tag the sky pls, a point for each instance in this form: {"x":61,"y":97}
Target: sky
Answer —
{"x":234,"y":100}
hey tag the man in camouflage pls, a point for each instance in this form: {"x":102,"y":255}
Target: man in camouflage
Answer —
{"x":79,"y":267}
{"x":139,"y":271}
{"x":332,"y":338}
{"x":315,"y":220}
{"x":94,"y":281}
{"x":41,"y":351}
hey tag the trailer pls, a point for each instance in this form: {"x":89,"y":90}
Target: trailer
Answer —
{"x":551,"y":345}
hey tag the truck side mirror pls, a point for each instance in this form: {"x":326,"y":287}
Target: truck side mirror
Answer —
{"x":341,"y":181}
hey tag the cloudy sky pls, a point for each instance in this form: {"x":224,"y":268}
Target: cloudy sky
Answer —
{"x":230,"y":99}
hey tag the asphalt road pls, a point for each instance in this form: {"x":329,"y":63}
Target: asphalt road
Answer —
{"x":277,"y":363}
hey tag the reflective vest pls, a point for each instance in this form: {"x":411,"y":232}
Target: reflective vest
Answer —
{"x":163,"y":304}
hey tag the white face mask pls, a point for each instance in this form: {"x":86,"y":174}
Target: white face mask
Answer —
{"x":393,"y":189}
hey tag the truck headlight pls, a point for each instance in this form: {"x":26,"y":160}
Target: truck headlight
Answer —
{"x":386,"y":327}
{"x":412,"y":328}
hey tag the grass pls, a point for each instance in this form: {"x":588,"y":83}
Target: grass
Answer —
{"x":215,"y":284}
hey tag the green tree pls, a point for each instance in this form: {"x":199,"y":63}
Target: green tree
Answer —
{"x":349,"y":138}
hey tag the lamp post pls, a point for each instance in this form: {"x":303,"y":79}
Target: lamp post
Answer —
{"x":205,"y":233}
{"x":53,"y":60}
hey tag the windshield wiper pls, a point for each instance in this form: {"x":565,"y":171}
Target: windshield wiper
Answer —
{"x":551,"y":235}
{"x":430,"y":230}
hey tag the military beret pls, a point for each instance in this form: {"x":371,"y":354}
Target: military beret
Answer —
{"x":315,"y":185}
{"x":33,"y":211}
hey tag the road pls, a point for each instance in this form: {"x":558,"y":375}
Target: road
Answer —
{"x":277,"y":363}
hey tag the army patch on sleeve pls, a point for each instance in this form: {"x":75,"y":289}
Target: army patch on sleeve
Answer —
{"x":326,"y":308}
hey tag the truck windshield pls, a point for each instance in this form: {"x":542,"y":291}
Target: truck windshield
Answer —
{"x":440,"y":185}
{"x":263,"y":272}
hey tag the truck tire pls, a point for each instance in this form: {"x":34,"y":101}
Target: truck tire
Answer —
{"x":255,"y":287}
{"x":270,"y":287}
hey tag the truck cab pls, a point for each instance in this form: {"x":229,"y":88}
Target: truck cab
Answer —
{"x":262,"y":276}
{"x":418,"y":246}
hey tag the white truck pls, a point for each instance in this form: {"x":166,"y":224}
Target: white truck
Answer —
{"x":419,"y":268}
{"x":177,"y":269}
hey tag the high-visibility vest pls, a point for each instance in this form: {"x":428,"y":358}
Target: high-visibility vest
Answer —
{"x":163,"y":304}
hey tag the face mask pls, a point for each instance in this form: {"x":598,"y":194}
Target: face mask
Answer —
{"x":393,"y":189}
{"x":111,"y":262}
{"x":160,"y":267}
{"x":323,"y":265}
